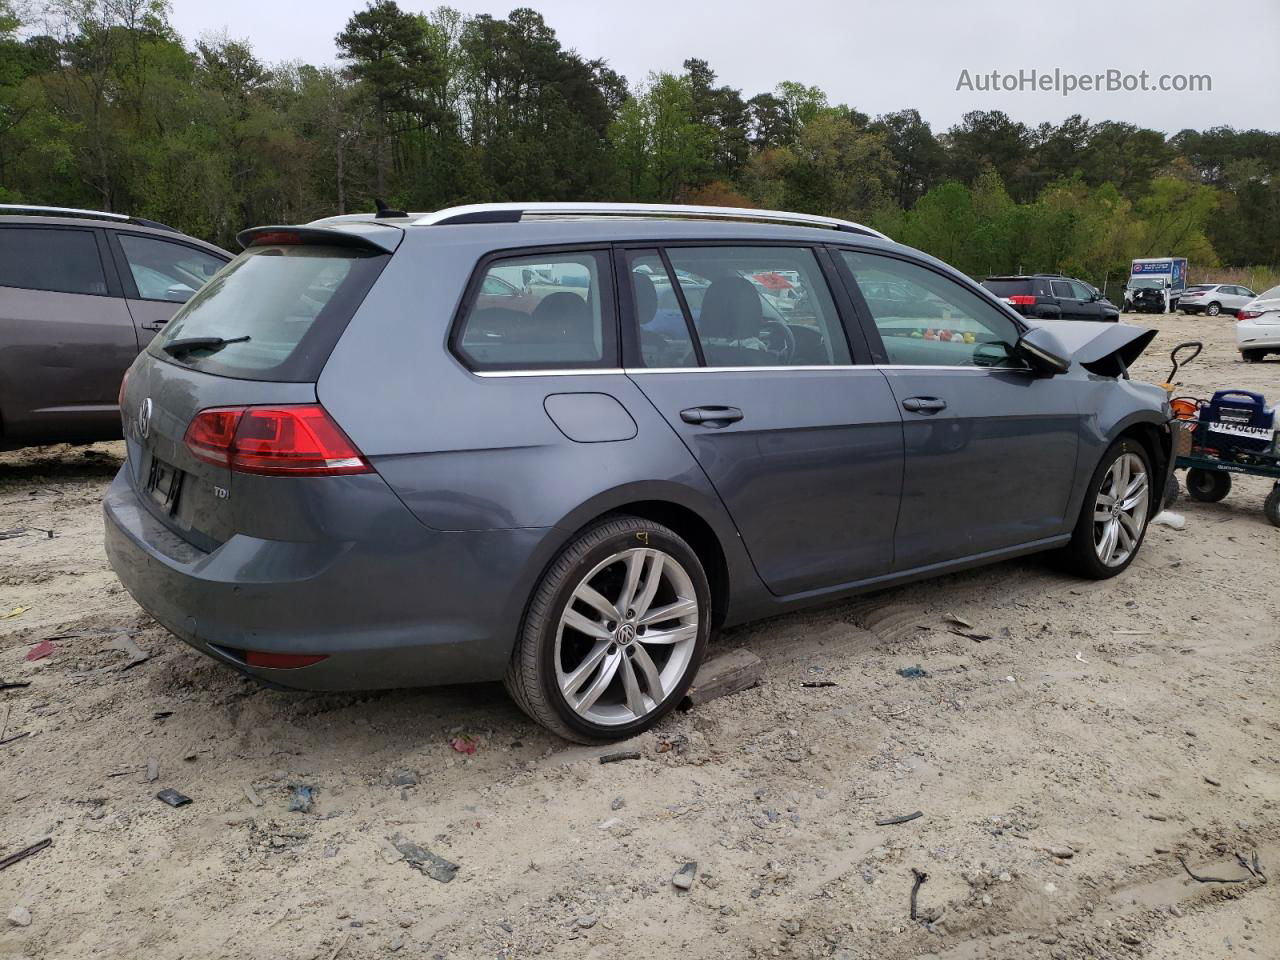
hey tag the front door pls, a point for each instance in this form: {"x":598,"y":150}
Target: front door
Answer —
{"x":158,"y":277}
{"x":1073,"y":306}
{"x":990,"y":446}
{"x":742,"y":351}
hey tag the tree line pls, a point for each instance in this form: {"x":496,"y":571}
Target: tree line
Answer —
{"x":103,"y":105}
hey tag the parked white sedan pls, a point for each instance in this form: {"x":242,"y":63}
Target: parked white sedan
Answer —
{"x":1214,"y":298}
{"x":1258,"y":327}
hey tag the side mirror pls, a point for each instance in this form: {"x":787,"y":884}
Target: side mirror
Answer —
{"x":1042,"y":351}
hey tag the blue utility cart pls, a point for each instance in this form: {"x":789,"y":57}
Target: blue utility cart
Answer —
{"x":1235,"y":432}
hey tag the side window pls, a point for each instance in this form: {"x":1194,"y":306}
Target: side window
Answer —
{"x":759,"y":306}
{"x":1062,"y":288}
{"x":662,"y":331}
{"x":61,"y":261}
{"x":167,"y":271}
{"x":937,"y":322}
{"x":1081,"y":292}
{"x":540,"y":312}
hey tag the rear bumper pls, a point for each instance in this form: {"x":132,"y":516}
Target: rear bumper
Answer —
{"x":1258,"y":336}
{"x":408,"y":607}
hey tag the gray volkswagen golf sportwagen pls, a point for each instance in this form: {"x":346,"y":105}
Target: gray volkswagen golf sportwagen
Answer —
{"x":561,"y":444}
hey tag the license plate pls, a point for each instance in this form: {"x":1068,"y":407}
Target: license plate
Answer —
{"x":163,"y":484}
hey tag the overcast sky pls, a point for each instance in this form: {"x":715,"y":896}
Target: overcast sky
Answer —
{"x":876,"y":56}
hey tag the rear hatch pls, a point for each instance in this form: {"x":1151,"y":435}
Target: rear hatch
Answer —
{"x":1018,"y":292}
{"x":225,"y":396}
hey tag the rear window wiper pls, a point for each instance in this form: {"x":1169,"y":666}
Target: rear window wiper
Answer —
{"x":187,"y":344}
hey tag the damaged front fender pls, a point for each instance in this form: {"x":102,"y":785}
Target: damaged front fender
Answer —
{"x":1107,"y":349}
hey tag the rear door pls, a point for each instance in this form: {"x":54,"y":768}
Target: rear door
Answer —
{"x":158,"y":276}
{"x":1239,"y":297}
{"x":754,"y":371}
{"x":65,"y":335}
{"x":990,"y":446}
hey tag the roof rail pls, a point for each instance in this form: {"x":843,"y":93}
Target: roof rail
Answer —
{"x":365,"y":218}
{"x":19,"y":208}
{"x":516,"y":212}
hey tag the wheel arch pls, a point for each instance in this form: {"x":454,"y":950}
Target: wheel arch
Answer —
{"x":698,"y":533}
{"x":697,"y":516}
{"x":1157,"y":440}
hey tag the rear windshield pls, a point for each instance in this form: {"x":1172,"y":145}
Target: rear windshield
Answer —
{"x":1008,"y":288}
{"x":289,"y":303}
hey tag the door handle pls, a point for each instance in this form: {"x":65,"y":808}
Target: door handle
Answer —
{"x":924,"y":404}
{"x":714,"y":416}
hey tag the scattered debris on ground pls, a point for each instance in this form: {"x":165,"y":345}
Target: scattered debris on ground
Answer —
{"x":11,"y":859}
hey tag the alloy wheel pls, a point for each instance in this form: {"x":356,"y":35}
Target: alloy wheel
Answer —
{"x":1120,"y":511}
{"x":626,"y":636}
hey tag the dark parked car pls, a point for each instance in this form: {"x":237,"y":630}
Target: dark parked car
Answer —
{"x":1048,"y":296}
{"x":348,"y":469}
{"x":81,"y":292}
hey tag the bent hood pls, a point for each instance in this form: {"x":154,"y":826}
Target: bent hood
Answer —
{"x":1104,"y":348}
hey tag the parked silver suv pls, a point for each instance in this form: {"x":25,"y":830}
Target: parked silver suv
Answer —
{"x":1215,"y":298}
{"x":560,"y":444}
{"x":81,"y":292}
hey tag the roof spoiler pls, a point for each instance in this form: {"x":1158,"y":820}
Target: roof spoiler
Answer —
{"x":366,"y":234}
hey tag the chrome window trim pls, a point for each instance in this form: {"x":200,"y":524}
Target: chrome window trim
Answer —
{"x":825,"y":366}
{"x":569,"y":372}
{"x":614,"y":371}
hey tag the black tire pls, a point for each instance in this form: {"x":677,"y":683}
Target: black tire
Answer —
{"x":1253,"y":356}
{"x":531,"y":676}
{"x":1208,"y":486}
{"x":1172,"y":491}
{"x":1080,"y":555}
{"x":1213,"y":309}
{"x":1271,"y":506}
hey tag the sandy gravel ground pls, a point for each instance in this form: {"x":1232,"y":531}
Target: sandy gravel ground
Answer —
{"x":1062,"y":766}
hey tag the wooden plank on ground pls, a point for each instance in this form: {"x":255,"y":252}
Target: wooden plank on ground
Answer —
{"x":725,"y":673}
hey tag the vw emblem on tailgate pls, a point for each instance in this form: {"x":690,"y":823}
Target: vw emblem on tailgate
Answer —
{"x":144,"y":419}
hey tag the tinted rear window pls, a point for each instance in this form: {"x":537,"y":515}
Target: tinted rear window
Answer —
{"x":290,"y":302}
{"x":1008,"y":288}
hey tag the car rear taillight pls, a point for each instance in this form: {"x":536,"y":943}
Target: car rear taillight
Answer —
{"x":1248,"y":314}
{"x":1021,"y":300}
{"x":294,"y":441}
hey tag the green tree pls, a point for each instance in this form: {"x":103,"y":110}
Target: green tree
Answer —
{"x":661,"y":150}
{"x":917,"y":155}
{"x":989,"y":138}
{"x":391,"y":56}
